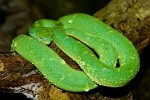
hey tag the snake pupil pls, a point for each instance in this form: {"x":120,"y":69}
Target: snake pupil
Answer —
{"x":117,"y":63}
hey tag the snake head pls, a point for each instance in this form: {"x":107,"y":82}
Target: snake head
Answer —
{"x":43,"y":34}
{"x":43,"y":30}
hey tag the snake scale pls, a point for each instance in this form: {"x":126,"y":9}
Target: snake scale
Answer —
{"x":79,"y":36}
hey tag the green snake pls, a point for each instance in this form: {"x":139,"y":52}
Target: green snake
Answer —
{"x":93,"y":45}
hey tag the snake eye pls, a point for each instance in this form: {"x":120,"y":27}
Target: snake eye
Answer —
{"x":33,"y":32}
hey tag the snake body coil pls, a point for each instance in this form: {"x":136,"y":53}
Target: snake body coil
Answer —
{"x":74,"y":34}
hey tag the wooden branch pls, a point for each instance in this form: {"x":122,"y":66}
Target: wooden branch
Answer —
{"x":131,"y":17}
{"x":20,"y":76}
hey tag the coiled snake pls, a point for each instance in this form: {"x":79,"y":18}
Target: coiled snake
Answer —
{"x":75,"y":34}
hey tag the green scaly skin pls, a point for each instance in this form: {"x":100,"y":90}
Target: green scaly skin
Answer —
{"x":74,"y":34}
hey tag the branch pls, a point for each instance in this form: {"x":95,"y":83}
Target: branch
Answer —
{"x":131,"y":17}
